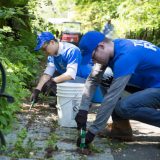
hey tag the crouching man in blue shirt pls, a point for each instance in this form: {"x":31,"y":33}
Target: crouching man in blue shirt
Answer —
{"x":134,"y":62}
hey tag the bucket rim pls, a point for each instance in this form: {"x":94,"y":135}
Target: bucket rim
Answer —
{"x":71,"y":85}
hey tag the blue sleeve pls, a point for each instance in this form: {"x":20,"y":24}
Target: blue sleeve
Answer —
{"x":50,"y":59}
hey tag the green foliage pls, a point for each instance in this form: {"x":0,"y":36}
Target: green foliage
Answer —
{"x":52,"y":140}
{"x":15,"y":87}
{"x":11,"y":3}
{"x":21,"y":63}
{"x":22,"y":150}
{"x":10,"y":12}
{"x":126,"y":15}
{"x":19,"y":2}
{"x":95,"y":149}
{"x":64,"y":10}
{"x":95,"y":13}
{"x":138,"y":15}
{"x":116,"y":146}
{"x":149,"y":34}
{"x":15,"y":14}
{"x":41,"y":10}
{"x":21,"y":67}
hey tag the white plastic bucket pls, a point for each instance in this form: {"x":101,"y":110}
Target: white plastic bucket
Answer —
{"x":69,"y":96}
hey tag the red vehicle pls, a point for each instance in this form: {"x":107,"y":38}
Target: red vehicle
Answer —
{"x":71,"y":32}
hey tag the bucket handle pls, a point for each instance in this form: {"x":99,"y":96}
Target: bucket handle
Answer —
{"x":70,"y":100}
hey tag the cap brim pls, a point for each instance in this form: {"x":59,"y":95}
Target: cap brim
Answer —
{"x":39,"y":46}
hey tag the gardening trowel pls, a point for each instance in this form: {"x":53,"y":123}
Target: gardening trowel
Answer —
{"x":32,"y":104}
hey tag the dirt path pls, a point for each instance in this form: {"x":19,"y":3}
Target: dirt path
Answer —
{"x":38,"y":136}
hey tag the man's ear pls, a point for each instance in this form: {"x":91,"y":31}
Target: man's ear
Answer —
{"x":52,"y":41}
{"x":101,"y":44}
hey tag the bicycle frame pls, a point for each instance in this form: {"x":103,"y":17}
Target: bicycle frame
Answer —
{"x":10,"y":99}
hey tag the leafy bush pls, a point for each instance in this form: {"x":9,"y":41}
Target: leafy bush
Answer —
{"x":149,"y":34}
{"x":21,"y":66}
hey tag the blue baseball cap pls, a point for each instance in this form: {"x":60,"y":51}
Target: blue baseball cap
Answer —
{"x":42,"y":38}
{"x":88,"y":44}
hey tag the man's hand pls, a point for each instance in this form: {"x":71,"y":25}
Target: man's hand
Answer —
{"x":107,"y":82}
{"x":81,"y":119}
{"x":89,"y":138}
{"x":35,"y":94}
{"x":49,"y":86}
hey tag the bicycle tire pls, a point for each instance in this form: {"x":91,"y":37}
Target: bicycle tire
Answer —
{"x":2,"y":89}
{"x":2,"y":140}
{"x":3,"y":79}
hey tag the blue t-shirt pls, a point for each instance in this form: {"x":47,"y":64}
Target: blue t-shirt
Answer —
{"x":138,"y":58}
{"x":70,"y":54}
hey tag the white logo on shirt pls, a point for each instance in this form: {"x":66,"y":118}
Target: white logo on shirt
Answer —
{"x":145,"y":44}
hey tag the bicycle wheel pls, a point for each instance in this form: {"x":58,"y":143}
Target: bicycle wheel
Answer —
{"x":2,"y":78}
{"x":2,"y":140}
{"x":2,"y":89}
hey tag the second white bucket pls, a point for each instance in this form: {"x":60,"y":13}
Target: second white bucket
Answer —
{"x":69,"y":96}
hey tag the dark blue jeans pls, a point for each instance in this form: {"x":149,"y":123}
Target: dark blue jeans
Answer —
{"x":142,"y":106}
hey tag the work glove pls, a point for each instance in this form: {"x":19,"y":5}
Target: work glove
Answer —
{"x":107,"y":82}
{"x":81,"y":119}
{"x":49,"y":87}
{"x":89,"y":138}
{"x":35,"y":94}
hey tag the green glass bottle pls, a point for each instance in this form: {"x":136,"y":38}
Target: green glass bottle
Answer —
{"x":83,"y":139}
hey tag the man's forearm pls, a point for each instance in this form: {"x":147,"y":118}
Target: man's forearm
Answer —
{"x":90,"y":86}
{"x":109,"y":102}
{"x":62,"y":78}
{"x":44,"y":78}
{"x":88,"y":92}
